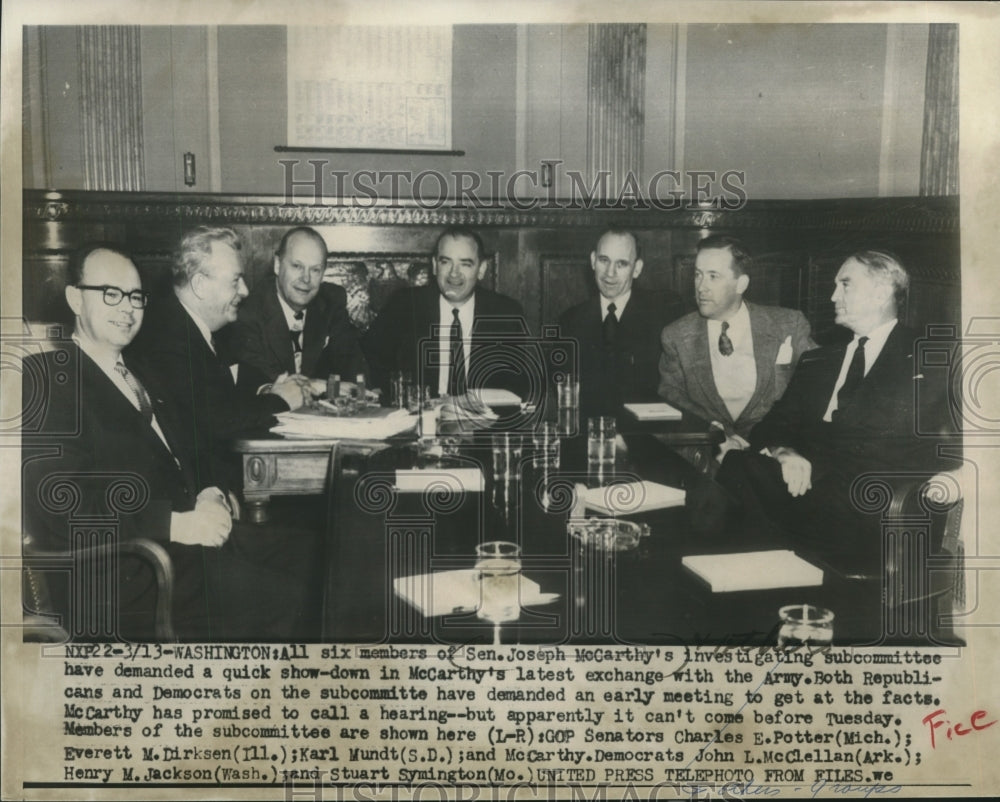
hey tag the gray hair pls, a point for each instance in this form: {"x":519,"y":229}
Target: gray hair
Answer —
{"x":886,"y":268}
{"x":195,"y":248}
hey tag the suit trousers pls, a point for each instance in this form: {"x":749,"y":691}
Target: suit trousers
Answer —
{"x":262,"y":585}
{"x":822,"y":523}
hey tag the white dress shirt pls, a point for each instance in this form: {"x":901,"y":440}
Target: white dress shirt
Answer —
{"x":873,"y":347}
{"x":735,"y":375}
{"x":466,"y":315}
{"x":619,"y":303}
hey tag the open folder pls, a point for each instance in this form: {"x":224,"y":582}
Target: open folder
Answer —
{"x":753,"y":570}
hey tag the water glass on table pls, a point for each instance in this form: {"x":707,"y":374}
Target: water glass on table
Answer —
{"x":601,"y":439}
{"x":498,"y":569}
{"x":568,"y":406}
{"x":805,"y":625}
{"x":545,"y":440}
{"x":399,"y":389}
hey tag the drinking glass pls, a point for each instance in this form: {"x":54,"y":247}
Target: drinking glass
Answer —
{"x":545,"y":440}
{"x":498,"y":567}
{"x":601,"y":434}
{"x":568,"y":403}
{"x":805,"y":625}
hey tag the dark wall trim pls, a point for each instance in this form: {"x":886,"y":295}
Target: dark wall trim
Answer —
{"x":928,"y":215}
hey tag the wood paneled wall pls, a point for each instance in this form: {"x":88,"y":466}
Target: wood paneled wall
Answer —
{"x":540,"y":256}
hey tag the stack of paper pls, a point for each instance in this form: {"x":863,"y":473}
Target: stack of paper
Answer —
{"x":647,"y":412}
{"x":496,"y":397}
{"x":754,"y":570}
{"x":628,"y":498}
{"x":378,"y":426}
{"x":458,"y":592}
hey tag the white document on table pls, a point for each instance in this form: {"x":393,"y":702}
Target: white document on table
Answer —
{"x":655,"y":411}
{"x":379,"y":426}
{"x":754,"y":570}
{"x":628,"y":498}
{"x":452,"y":592}
{"x":455,"y":480}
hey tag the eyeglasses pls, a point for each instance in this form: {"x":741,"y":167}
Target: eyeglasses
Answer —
{"x":113,"y":295}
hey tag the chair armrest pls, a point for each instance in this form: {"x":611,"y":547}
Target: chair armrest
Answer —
{"x":152,"y":553}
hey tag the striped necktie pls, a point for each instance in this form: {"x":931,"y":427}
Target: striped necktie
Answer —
{"x":145,"y":406}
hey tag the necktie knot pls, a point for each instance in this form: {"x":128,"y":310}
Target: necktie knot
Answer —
{"x":855,"y":375}
{"x":725,"y":344}
{"x":610,"y":325}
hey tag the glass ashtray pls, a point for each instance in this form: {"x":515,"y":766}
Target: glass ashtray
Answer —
{"x":607,"y":534}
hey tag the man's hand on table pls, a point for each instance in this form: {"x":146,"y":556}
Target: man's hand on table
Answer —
{"x":293,"y":390}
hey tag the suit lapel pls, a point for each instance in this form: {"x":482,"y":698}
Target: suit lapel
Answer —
{"x":313,"y":335}
{"x":276,"y":330}
{"x":889,"y":361}
{"x":116,"y":407}
{"x":701,"y":368}
{"x":426,"y":315}
{"x":765,"y":351}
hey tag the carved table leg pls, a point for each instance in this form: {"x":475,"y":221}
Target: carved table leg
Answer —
{"x":256,"y":511}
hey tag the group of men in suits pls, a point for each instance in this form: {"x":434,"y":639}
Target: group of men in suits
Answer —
{"x":159,"y":399}
{"x":104,"y":416}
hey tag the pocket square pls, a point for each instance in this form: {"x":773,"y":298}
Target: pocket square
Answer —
{"x":785,"y":352}
{"x":326,"y":341}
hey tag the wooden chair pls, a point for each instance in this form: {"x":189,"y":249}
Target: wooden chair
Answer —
{"x":83,"y":610}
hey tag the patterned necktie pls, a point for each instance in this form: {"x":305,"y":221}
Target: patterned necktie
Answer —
{"x":725,"y":344}
{"x":855,"y":374}
{"x":456,"y":379}
{"x":297,"y":332}
{"x":145,"y":407}
{"x":610,"y":328}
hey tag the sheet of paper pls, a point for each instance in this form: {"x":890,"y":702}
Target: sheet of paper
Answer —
{"x":628,"y":498}
{"x":458,"y":591}
{"x":456,"y":480}
{"x":657,"y":411}
{"x":754,"y":570}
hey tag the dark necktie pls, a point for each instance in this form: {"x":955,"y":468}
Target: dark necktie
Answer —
{"x":610,"y":325}
{"x":145,"y":407}
{"x":855,"y":374}
{"x":297,"y":332}
{"x":456,"y":379}
{"x":725,"y":344}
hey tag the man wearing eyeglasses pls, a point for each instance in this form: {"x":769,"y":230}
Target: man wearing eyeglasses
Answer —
{"x":95,"y":419}
{"x":178,"y":345}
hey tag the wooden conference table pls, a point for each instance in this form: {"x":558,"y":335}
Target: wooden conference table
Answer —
{"x":380,"y":537}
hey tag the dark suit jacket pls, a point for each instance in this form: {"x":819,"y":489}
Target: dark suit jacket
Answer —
{"x":261,"y":342}
{"x":686,"y":379}
{"x":394,"y":340}
{"x":87,"y":451}
{"x":201,"y":387}
{"x":101,"y":439}
{"x":611,"y":376}
{"x":875,"y":431}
